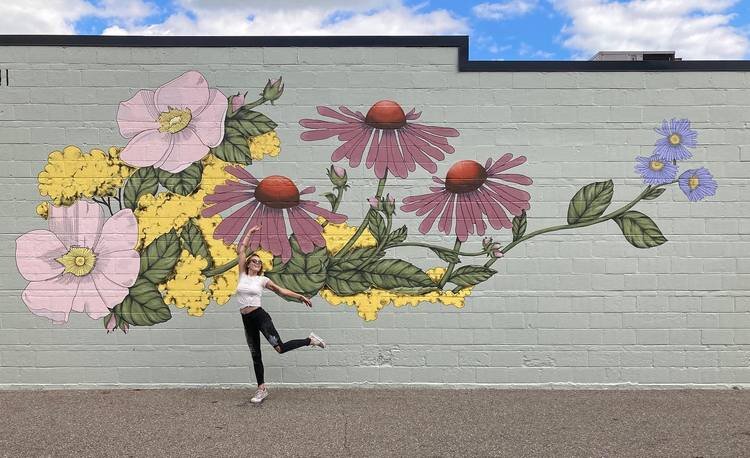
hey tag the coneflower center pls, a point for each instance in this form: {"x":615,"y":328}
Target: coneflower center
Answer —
{"x":277,"y":191}
{"x":656,"y":165}
{"x":386,"y":114}
{"x":465,"y":176}
{"x":674,"y":139}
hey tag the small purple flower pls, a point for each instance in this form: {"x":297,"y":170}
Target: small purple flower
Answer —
{"x":697,"y":184}
{"x":677,"y":138}
{"x":655,"y":170}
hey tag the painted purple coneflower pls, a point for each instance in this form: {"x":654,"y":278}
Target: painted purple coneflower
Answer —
{"x":677,"y":137}
{"x":655,"y":170}
{"x":268,"y":202}
{"x":471,"y":192}
{"x":395,"y":143}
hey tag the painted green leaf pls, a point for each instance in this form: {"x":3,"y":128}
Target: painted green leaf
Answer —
{"x":356,"y":258}
{"x":590,"y":201}
{"x":331,"y":198}
{"x":654,"y":193}
{"x":142,"y":181}
{"x":193,"y":241}
{"x":396,"y":237}
{"x":376,"y":224}
{"x":143,"y":306}
{"x":415,"y":291}
{"x":640,"y":230}
{"x":251,"y":123}
{"x":519,"y":225}
{"x":395,"y":273}
{"x":234,"y":147}
{"x":303,"y":273}
{"x":471,"y":275}
{"x":184,"y":182}
{"x":346,"y":282}
{"x":160,"y":256}
{"x":446,"y":255}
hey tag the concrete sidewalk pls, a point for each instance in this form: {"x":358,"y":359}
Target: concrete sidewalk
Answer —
{"x":375,"y":422}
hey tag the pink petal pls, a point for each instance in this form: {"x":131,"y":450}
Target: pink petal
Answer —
{"x":36,"y":254}
{"x":120,"y":232}
{"x":439,"y":131}
{"x":52,"y":298}
{"x":229,"y":201}
{"x":189,"y":90}
{"x":120,"y":267}
{"x":110,"y":291}
{"x":513,"y":178}
{"x":307,"y":231}
{"x":77,"y":225}
{"x":241,"y":173}
{"x":438,"y":205}
{"x":137,"y":114}
{"x":89,"y":299}
{"x":187,"y":149}
{"x":313,"y":207}
{"x":322,"y":134}
{"x":325,"y":111}
{"x":146,"y":148}
{"x":230,"y":227}
{"x":446,"y":219}
{"x":209,"y":124}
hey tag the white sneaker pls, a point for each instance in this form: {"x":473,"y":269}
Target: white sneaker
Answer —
{"x":316,"y":341}
{"x":260,"y":395}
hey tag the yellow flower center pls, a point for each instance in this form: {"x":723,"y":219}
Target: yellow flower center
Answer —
{"x":174,"y":120}
{"x":79,"y":261}
{"x":674,"y":139}
{"x":656,"y":165}
{"x":693,"y":182}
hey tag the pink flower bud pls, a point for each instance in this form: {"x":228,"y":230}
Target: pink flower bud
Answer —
{"x":111,"y":323}
{"x":374,"y":202}
{"x":237,"y":101}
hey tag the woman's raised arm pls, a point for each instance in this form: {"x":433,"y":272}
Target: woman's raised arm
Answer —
{"x":242,"y":247}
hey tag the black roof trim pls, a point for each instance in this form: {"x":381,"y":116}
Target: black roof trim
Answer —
{"x":458,"y":41}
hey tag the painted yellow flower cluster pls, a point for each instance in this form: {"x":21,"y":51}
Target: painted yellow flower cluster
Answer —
{"x":186,"y":289}
{"x":267,"y":144}
{"x":71,"y":174}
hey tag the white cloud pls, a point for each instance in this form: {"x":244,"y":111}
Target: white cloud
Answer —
{"x":695,"y":29}
{"x":332,"y":18}
{"x":42,"y":16}
{"x":504,"y":10}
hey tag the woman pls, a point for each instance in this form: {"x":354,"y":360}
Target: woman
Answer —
{"x":256,"y":320}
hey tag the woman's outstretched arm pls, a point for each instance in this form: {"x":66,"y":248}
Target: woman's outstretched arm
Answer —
{"x":242,"y":247}
{"x":288,"y":293}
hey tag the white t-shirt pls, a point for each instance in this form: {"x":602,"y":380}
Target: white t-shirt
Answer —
{"x":250,"y":289}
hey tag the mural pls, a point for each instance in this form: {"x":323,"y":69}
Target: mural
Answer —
{"x":134,"y":231}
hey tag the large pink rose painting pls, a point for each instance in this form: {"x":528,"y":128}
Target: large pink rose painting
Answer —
{"x":174,"y":126}
{"x":83,"y":263}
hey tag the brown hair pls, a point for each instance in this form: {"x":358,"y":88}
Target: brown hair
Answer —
{"x":247,"y":263}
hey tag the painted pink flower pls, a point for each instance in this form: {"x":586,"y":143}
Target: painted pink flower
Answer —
{"x":470,"y":193}
{"x":265,"y":203}
{"x":174,"y":126}
{"x":83,"y":263}
{"x":395,"y":143}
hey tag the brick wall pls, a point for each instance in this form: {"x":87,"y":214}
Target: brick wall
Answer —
{"x":580,"y":306}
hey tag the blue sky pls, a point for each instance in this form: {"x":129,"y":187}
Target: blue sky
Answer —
{"x":503,"y":29}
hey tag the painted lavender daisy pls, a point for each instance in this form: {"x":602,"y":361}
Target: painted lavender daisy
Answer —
{"x":471,"y":193}
{"x":654,"y":170}
{"x":697,"y":184}
{"x":395,"y":143}
{"x":268,"y":202}
{"x":677,"y":138}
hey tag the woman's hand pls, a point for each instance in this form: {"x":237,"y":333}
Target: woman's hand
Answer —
{"x":250,"y":232}
{"x":305,"y":300}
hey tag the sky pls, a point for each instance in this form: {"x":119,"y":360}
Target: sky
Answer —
{"x":497,"y":30}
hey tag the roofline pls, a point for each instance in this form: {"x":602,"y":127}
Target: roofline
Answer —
{"x":461,"y":42}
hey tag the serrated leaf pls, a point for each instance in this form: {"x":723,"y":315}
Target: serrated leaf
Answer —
{"x":446,"y":255}
{"x":471,"y":275}
{"x":640,"y":230}
{"x":251,"y":123}
{"x":304,"y":273}
{"x":519,"y":225}
{"x":376,"y":224}
{"x":395,"y":273}
{"x":331,"y":198}
{"x":193,"y":241}
{"x":142,"y":181}
{"x":654,"y":193}
{"x":159,"y":257}
{"x":396,"y":237}
{"x":233,"y":148}
{"x":143,"y":306}
{"x":415,"y":291}
{"x":346,"y":282}
{"x":590,"y":202}
{"x":183,"y":182}
{"x":356,"y":258}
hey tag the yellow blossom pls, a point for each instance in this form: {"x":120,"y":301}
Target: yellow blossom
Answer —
{"x":267,"y":144}
{"x":214,"y":174}
{"x":43,"y":210}
{"x":370,"y":302}
{"x":186,"y":289}
{"x":336,"y":236}
{"x":158,"y":214}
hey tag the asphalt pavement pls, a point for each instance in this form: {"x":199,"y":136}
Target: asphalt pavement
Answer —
{"x":327,"y":422}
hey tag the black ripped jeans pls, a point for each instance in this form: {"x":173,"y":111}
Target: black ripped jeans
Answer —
{"x":259,"y":321}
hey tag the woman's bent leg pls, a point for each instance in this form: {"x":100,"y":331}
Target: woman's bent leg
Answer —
{"x":269,"y":331}
{"x":252,"y":335}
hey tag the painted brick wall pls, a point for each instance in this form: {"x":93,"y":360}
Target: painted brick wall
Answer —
{"x":580,"y":307}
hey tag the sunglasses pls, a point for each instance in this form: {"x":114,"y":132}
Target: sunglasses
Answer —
{"x":255,"y":261}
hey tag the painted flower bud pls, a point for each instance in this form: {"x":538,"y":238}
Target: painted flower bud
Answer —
{"x":273,"y":90}
{"x":389,"y":205}
{"x":337,"y":175}
{"x":375,"y":203}
{"x":111,"y":323}
{"x":237,"y":101}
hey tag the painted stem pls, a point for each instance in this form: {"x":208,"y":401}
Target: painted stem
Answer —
{"x":361,"y":228}
{"x":601,"y":219}
{"x":220,"y":269}
{"x":451,"y":265}
{"x":435,"y":247}
{"x":336,"y":202}
{"x":251,"y":105}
